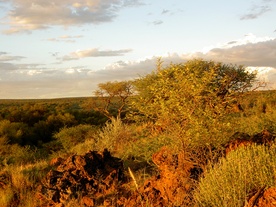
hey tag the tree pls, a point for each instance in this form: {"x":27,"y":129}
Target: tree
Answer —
{"x":112,"y":97}
{"x":190,"y":94}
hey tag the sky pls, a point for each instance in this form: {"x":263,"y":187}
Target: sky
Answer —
{"x":65,"y":48}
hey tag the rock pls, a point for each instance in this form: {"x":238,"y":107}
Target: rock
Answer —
{"x":93,"y":177}
{"x":263,"y":198}
{"x":56,"y":162}
{"x":86,"y":201}
{"x":242,"y":140}
{"x":171,"y":187}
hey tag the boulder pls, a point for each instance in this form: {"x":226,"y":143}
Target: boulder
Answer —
{"x":92,"y":178}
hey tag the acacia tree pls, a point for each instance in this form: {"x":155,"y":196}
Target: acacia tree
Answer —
{"x":195,"y":93}
{"x":111,"y":98}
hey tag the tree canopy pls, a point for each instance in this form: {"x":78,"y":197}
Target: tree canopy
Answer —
{"x":185,"y":93}
{"x":112,"y":97}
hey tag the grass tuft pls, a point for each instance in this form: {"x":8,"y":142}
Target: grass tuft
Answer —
{"x":230,"y":182}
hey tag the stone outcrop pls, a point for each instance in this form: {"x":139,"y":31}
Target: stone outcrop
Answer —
{"x":172,"y":187}
{"x":94,"y":178}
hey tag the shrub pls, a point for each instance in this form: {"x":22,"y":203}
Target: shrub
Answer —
{"x":192,"y":93}
{"x":83,"y":147}
{"x":70,"y":137}
{"x":144,"y":148}
{"x":114,"y":136}
{"x":229,"y":182}
{"x":14,"y":132}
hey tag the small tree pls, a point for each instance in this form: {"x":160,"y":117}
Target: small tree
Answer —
{"x":191,"y":95}
{"x":112,"y":97}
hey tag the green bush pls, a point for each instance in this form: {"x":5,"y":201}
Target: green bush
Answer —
{"x":70,"y":137}
{"x":82,"y":148}
{"x":14,"y":132}
{"x":114,"y":136}
{"x":145,"y":147}
{"x":243,"y":171}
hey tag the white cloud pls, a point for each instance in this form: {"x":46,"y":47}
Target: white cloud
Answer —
{"x":26,"y":15}
{"x":37,"y":81}
{"x":65,"y":38}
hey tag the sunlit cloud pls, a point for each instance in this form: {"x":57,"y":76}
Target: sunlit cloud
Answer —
{"x":65,"y":38}
{"x":37,"y":81}
{"x":249,"y":51}
{"x":25,"y":15}
{"x":94,"y":52}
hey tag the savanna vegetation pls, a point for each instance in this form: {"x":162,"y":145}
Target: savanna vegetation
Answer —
{"x":194,"y":107}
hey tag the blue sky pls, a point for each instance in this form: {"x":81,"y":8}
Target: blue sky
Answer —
{"x":64,"y":48}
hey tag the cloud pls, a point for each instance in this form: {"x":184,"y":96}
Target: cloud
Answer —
{"x":170,"y":12}
{"x":37,"y":81}
{"x":94,"y":52}
{"x":257,"y":10}
{"x":157,"y":22}
{"x":266,"y":68}
{"x":4,"y":57}
{"x":165,"y":11}
{"x":26,"y":15}
{"x":252,"y":52}
{"x":65,"y":38}
{"x":70,"y":37}
{"x":3,"y":53}
{"x":6,"y":67}
{"x":258,"y":54}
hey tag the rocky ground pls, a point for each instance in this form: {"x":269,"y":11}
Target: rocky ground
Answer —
{"x":98,"y":179}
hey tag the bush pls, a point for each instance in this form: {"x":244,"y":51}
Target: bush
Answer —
{"x":229,"y":182}
{"x":70,"y":137}
{"x":14,"y":132}
{"x":144,"y":148}
{"x":114,"y":136}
